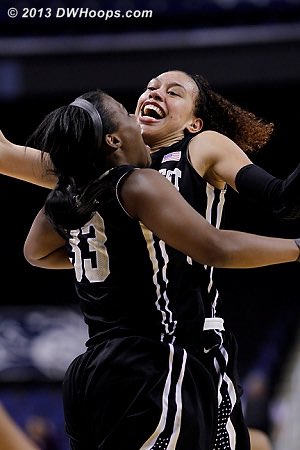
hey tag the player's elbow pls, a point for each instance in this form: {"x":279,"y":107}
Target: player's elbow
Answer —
{"x":30,"y":254}
{"x":218,"y":252}
{"x":219,"y":256}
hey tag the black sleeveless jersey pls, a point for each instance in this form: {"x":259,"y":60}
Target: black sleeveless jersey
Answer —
{"x":129,"y":282}
{"x":173,"y":162}
{"x":154,"y":301}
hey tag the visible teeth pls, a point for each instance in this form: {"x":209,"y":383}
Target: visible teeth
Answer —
{"x":148,"y":108}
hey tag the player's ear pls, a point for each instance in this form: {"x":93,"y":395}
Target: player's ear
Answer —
{"x":195,"y":126}
{"x":113,"y":141}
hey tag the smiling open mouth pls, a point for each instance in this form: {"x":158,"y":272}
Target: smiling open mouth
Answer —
{"x":152,"y":111}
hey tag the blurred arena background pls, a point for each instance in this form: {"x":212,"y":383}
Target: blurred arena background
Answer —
{"x":250,"y":52}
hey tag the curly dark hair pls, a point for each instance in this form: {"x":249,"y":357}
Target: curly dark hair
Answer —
{"x":219,"y":114}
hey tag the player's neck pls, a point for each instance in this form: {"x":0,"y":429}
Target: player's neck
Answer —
{"x":166,"y":142}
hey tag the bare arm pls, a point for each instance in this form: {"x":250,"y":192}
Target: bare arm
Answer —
{"x":217,"y":158}
{"x":154,"y":200}
{"x":44,"y":247}
{"x":24,"y":164}
{"x":11,"y":436}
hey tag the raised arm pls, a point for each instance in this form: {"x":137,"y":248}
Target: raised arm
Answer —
{"x":24,"y":164}
{"x":152,"y":199}
{"x":218,"y":159}
{"x":282,"y":197}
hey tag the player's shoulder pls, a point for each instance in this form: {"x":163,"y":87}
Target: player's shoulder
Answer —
{"x":213,"y":144}
{"x":211,"y":137}
{"x":143,"y":179}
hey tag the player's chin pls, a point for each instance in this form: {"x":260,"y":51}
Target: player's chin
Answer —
{"x":146,"y":162}
{"x":149,"y":136}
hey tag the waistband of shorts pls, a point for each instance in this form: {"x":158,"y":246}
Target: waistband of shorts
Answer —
{"x":213,"y":323}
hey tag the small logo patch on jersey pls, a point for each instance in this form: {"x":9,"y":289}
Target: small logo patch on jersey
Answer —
{"x":173,"y":156}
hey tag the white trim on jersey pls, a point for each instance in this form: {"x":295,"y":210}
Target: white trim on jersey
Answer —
{"x":177,"y":421}
{"x":232,"y":434}
{"x":224,"y":378}
{"x":172,"y":322}
{"x":165,"y":398}
{"x":167,"y":321}
{"x":229,"y":426}
{"x":172,"y":440}
{"x":117,"y":193}
{"x":210,"y":195}
{"x":220,"y":208}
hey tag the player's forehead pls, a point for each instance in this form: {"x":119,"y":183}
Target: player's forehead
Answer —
{"x":176,"y":78}
{"x":114,"y":105}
